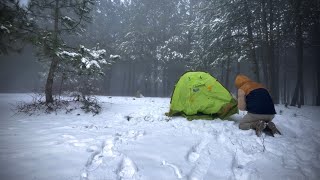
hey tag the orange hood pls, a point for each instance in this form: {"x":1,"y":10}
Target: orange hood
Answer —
{"x":241,"y":80}
{"x":246,"y":84}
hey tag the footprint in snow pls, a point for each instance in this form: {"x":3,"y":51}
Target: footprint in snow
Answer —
{"x":200,"y":156}
{"x":108,"y":148}
{"x":134,"y":134}
{"x":106,"y":160}
{"x":195,"y":151}
{"x":96,"y":158}
{"x":127,"y":169}
{"x":94,"y":161}
{"x":240,"y":169}
{"x":200,"y":169}
{"x":129,"y":136}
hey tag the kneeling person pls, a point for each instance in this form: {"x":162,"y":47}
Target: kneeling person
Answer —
{"x":255,"y":98}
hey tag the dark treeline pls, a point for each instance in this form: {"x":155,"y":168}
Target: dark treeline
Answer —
{"x":274,"y":42}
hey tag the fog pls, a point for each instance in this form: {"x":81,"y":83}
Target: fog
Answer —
{"x":20,"y":72}
{"x":158,"y":41}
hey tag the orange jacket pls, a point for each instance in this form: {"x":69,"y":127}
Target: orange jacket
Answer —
{"x":247,"y":85}
{"x":253,"y":97}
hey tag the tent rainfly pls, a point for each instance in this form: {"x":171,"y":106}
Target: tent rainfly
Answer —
{"x":198,"y":95}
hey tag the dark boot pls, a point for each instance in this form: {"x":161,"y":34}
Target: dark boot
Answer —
{"x":272,"y":128}
{"x":259,"y":126}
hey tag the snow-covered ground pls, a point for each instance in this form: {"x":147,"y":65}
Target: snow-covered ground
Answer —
{"x":133,"y":139}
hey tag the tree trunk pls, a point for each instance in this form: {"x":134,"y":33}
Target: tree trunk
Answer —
{"x":63,"y":77}
{"x":147,"y":79}
{"x":285,"y":88}
{"x":165,"y":82}
{"x":190,"y":18}
{"x":285,"y":83}
{"x":129,"y":92}
{"x":298,"y":97}
{"x":265,"y":46}
{"x":277,"y":61}
{"x":239,"y":54}
{"x":124,"y":86}
{"x":251,"y":42}
{"x":107,"y":82}
{"x":238,"y":67}
{"x":134,"y":79}
{"x":294,"y":99}
{"x":317,"y":32}
{"x":222,"y":73}
{"x":55,"y":60}
{"x":274,"y":77}
{"x":299,"y":44}
{"x":228,"y":72}
{"x":264,"y":62}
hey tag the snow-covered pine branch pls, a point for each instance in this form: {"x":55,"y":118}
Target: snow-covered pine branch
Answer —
{"x":88,"y":61}
{"x":171,"y":50}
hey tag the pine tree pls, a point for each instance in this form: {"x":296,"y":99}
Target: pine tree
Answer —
{"x":56,"y":20}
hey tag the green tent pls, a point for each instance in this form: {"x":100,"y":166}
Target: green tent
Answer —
{"x":198,"y":95}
